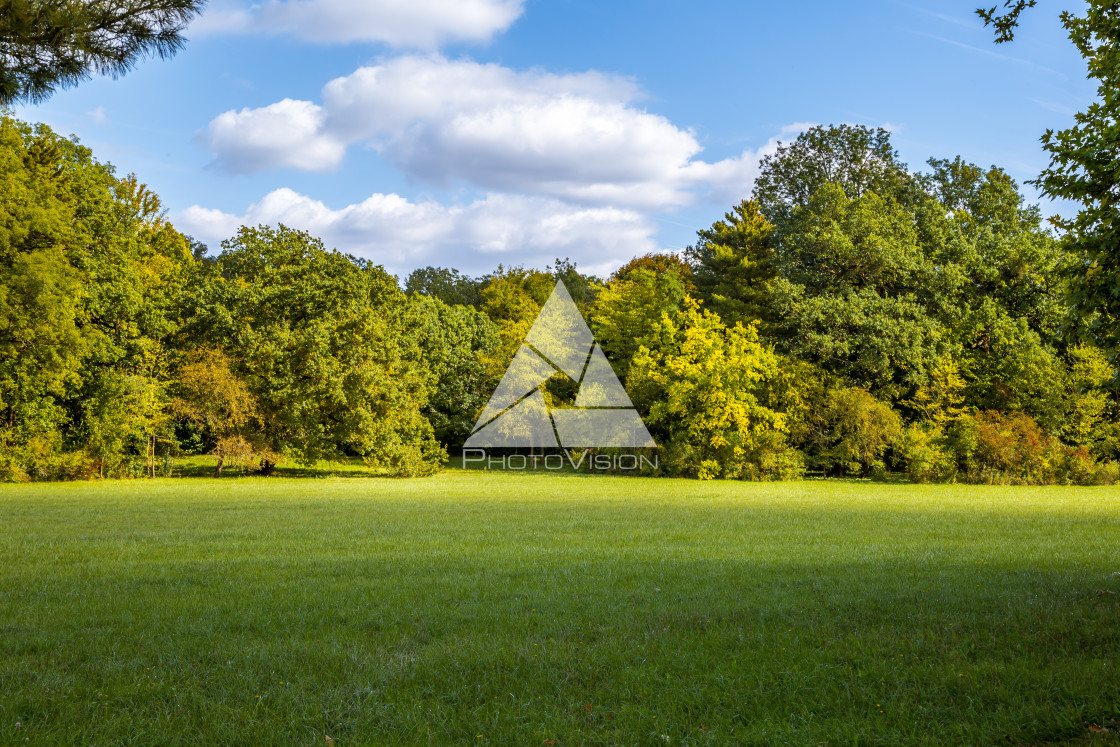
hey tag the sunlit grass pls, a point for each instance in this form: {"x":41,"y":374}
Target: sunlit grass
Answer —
{"x":481,"y":608}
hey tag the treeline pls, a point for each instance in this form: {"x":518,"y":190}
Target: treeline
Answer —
{"x":852,"y":318}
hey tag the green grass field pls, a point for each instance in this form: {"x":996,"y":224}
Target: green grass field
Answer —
{"x":538,"y":609}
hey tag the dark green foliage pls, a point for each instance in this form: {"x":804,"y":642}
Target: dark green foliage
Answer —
{"x":449,"y":286}
{"x":458,"y":343}
{"x":734,"y":264}
{"x":323,"y":344}
{"x":859,"y":159}
{"x":1006,"y":22}
{"x":49,"y":45}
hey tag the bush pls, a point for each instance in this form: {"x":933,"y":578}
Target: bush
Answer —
{"x":1011,"y":447}
{"x":42,"y":458}
{"x":919,"y":451}
{"x":855,"y":433}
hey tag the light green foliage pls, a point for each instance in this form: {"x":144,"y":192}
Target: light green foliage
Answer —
{"x":697,"y":384}
{"x":1087,"y":399}
{"x":512,"y":299}
{"x":627,"y":311}
{"x":919,"y":451}
{"x":942,"y":397}
{"x":210,"y":394}
{"x":323,"y":345}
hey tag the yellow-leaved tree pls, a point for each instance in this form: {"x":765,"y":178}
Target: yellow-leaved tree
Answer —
{"x":696,"y":379}
{"x":211,"y":395}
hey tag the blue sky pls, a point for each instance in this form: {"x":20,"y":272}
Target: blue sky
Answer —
{"x":469,"y":133}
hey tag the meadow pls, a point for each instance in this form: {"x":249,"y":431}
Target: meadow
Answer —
{"x":476,"y":608}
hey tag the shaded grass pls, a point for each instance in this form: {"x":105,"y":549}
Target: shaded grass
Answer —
{"x":488,"y":608}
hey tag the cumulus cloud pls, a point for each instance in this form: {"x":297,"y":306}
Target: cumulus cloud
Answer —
{"x":287,"y":133}
{"x":577,"y":137}
{"x":423,"y":24}
{"x":402,"y":234}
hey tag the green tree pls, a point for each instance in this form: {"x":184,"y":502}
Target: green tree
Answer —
{"x":627,"y":311}
{"x":210,"y":394}
{"x":581,"y":287}
{"x":48,"y":45}
{"x":857,"y":430}
{"x":659,"y":263}
{"x":734,"y":265}
{"x":458,"y":343}
{"x":513,"y":298}
{"x":90,"y":270}
{"x":859,"y":159}
{"x":1083,"y":162}
{"x":942,"y":398}
{"x":449,"y":286}
{"x":323,"y":344}
{"x":697,"y":383}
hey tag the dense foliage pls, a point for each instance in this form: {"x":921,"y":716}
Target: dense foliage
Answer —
{"x":853,"y":317}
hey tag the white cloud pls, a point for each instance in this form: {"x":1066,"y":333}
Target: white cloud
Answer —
{"x":287,"y":133}
{"x":576,"y":137}
{"x":423,"y":24}
{"x":402,"y":234}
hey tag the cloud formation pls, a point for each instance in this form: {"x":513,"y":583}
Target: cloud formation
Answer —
{"x":421,"y":24}
{"x":576,"y":137}
{"x":285,"y":134}
{"x":402,"y":234}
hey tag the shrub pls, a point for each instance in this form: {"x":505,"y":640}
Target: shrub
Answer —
{"x":855,"y":432}
{"x":1012,"y":446}
{"x":42,"y":458}
{"x":919,"y":451}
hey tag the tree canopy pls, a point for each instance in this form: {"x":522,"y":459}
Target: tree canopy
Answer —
{"x":852,"y":317}
{"x":1085,"y":163}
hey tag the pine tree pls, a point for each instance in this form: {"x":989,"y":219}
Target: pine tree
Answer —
{"x":51,"y":44}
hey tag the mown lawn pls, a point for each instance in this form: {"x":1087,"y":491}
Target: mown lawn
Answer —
{"x":521,"y":609}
